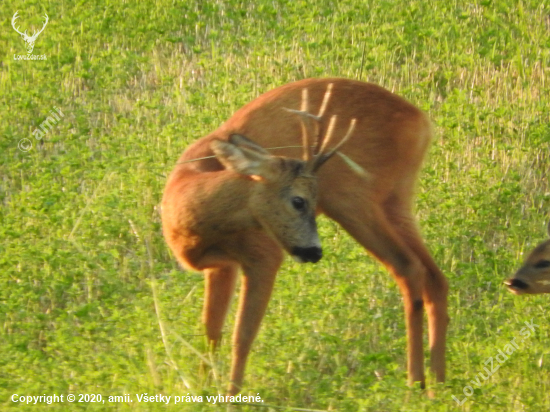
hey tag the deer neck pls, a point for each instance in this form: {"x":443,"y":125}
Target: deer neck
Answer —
{"x":221,"y":205}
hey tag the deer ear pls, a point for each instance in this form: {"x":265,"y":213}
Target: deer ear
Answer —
{"x":240,"y":158}
{"x":243,"y":141}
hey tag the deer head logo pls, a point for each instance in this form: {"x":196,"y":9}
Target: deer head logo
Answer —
{"x":28,"y":39}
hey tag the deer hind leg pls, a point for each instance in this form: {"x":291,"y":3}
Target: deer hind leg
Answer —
{"x":369,"y":225}
{"x":435,"y":299}
{"x":436,"y":287}
{"x":260,"y":265}
{"x":219,"y":288}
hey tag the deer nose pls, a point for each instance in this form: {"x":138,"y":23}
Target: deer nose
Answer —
{"x":516,"y":284}
{"x":307,"y":254}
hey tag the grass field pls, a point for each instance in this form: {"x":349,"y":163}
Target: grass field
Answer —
{"x":92,"y":302}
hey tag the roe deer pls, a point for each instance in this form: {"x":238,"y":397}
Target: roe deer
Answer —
{"x":375,"y":206}
{"x":534,"y":276}
{"x":237,"y":209}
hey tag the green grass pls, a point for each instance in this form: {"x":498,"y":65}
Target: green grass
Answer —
{"x":92,"y":302}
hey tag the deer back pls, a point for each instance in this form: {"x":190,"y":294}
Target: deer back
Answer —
{"x":389,"y":142}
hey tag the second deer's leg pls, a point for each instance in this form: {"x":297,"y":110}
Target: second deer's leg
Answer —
{"x":370,"y":227}
{"x":263,"y":259}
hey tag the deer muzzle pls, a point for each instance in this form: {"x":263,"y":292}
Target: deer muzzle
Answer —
{"x":516,"y":286}
{"x":311,"y":254}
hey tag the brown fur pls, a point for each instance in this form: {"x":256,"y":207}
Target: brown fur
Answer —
{"x":389,"y":142}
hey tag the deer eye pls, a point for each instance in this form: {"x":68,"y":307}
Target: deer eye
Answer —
{"x":299,"y":203}
{"x":542,"y":264}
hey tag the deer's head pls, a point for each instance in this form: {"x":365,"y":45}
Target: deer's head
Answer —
{"x":534,"y":276}
{"x":284,"y":198}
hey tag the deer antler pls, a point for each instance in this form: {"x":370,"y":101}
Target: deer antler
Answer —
{"x":320,"y":155}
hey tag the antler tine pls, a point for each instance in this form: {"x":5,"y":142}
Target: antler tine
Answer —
{"x":305,"y":119}
{"x":326,"y":98}
{"x":328,"y":136}
{"x":305,"y":138}
{"x":324,"y":104}
{"x":350,"y":131}
{"x":322,"y":157}
{"x":304,"y":108}
{"x":303,"y":114}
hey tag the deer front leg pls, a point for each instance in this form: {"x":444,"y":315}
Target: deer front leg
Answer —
{"x":219,"y":288}
{"x":263,"y":259}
